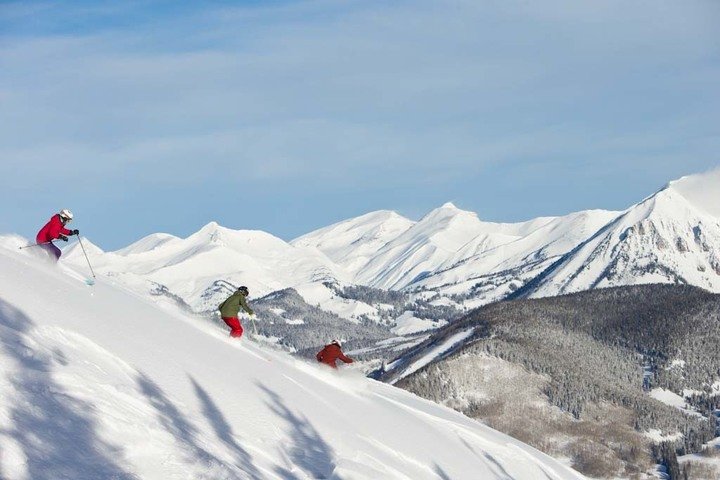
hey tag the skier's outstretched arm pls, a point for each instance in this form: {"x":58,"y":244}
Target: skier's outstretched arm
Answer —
{"x":245,"y":307}
{"x":345,"y":358}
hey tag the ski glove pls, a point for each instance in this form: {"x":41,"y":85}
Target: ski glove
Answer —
{"x":63,"y":238}
{"x":76,"y":232}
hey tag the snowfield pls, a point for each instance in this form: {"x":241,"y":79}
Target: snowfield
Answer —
{"x":99,"y":383}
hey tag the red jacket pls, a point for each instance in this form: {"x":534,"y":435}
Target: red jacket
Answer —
{"x":330,"y":354}
{"x":52,"y":230}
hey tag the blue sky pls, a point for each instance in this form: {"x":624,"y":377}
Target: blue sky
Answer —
{"x":144,"y":117}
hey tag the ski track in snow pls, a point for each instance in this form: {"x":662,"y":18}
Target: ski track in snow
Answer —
{"x":100,"y":383}
{"x":433,"y":353}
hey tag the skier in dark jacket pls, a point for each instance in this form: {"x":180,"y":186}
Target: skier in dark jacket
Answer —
{"x":331,"y":353}
{"x":53,"y":230}
{"x":230,"y":308}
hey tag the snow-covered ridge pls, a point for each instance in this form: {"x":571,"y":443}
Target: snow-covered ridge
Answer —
{"x":700,"y":190}
{"x":352,"y":243}
{"x":671,"y":236}
{"x":440,"y":240}
{"x":190,"y":267}
{"x":146,"y":244}
{"x":99,"y":383}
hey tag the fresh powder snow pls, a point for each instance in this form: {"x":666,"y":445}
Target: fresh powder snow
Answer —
{"x":98,"y":383}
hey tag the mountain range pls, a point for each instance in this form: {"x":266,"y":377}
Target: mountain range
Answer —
{"x":402,"y":289}
{"x":449,"y":256}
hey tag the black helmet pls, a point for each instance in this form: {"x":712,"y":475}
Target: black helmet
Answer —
{"x":244,"y":290}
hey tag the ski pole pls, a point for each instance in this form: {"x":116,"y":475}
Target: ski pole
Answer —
{"x":252,"y":319}
{"x":34,"y":245}
{"x":86,"y":257}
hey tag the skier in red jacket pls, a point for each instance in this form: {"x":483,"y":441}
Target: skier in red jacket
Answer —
{"x":53,"y":230}
{"x":331,"y":353}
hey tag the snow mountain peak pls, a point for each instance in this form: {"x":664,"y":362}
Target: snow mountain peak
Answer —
{"x":213,"y":231}
{"x":449,"y":205}
{"x":701,"y":190}
{"x":669,"y":237}
{"x":448,"y":210}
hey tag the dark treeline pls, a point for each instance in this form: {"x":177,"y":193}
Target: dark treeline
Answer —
{"x":400,"y":301}
{"x":305,"y":328}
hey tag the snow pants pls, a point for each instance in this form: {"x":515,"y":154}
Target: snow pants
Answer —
{"x":52,"y":250}
{"x":236,"y":329}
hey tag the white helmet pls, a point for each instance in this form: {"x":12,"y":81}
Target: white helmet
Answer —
{"x":65,"y":213}
{"x":336,"y":342}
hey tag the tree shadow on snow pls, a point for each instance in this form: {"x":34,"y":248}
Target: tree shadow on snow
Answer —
{"x":224,"y":431}
{"x":56,"y":431}
{"x":441,"y":473}
{"x":496,"y":466}
{"x":308,"y":451}
{"x":186,"y":434}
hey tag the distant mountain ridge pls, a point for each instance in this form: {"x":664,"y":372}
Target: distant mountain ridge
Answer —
{"x":672,"y":236}
{"x":190,"y":267}
{"x":448,"y":237}
{"x":450,"y":254}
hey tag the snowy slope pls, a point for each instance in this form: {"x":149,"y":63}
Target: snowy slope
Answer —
{"x":670,"y":237}
{"x":352,"y":243}
{"x":441,"y":238}
{"x":432,"y":354}
{"x":97,"y":382}
{"x":146,"y":244}
{"x":449,"y":248}
{"x":494,"y":273}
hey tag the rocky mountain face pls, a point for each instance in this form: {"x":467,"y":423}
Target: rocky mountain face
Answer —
{"x":670,"y":237}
